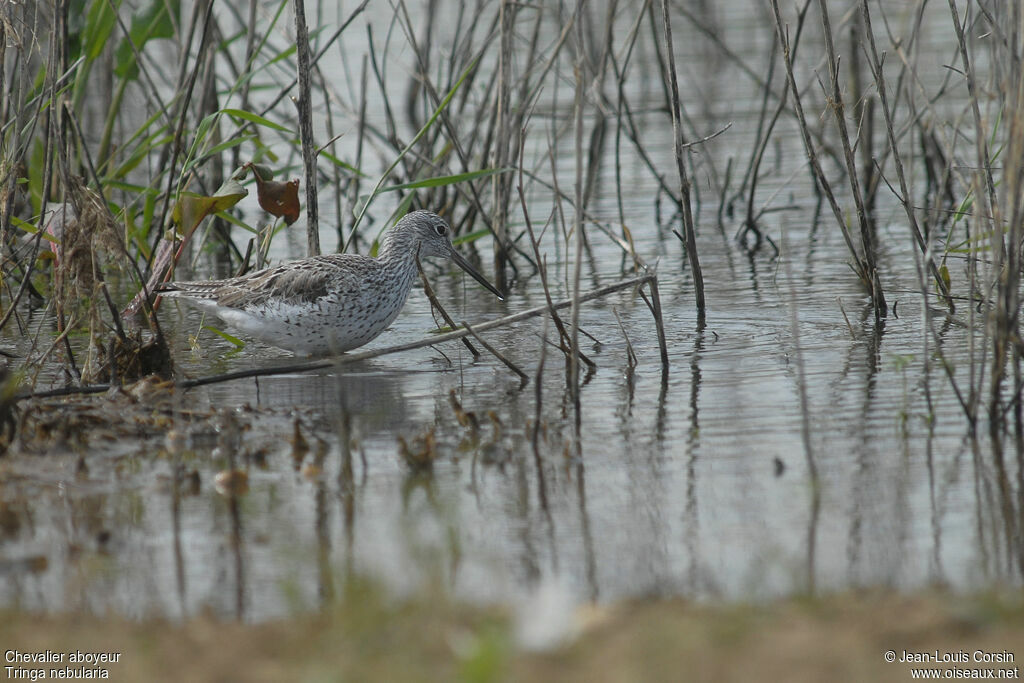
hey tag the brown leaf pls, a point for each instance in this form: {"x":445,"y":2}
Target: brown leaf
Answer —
{"x":279,"y":198}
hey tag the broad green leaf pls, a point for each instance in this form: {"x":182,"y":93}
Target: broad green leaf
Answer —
{"x":224,"y":215}
{"x":31,"y":229}
{"x":471,"y":237}
{"x":226,"y":145}
{"x":341,"y":164}
{"x":191,"y":209}
{"x":99,"y":24}
{"x":964,"y":208}
{"x":132,"y":187}
{"x":446,"y":180}
{"x":944,"y":274}
{"x":255,"y":118}
{"x":140,"y":153}
{"x":238,"y":343}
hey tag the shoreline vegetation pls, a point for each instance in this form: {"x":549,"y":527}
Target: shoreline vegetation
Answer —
{"x":841,"y":637}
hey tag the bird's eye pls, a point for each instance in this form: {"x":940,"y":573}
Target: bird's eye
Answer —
{"x":441,"y":229}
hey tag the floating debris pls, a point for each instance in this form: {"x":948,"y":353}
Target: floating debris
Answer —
{"x":33,"y":564}
{"x":780,"y":466}
{"x":231,"y":483}
{"x":187,"y":480}
{"x":421,"y":454}
{"x":300,"y":447}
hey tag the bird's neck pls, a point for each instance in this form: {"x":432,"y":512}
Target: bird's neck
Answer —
{"x":397,"y":247}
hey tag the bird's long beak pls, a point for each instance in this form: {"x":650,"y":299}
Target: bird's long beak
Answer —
{"x":464,"y":264}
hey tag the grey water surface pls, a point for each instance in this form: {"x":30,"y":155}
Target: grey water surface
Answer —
{"x":695,"y":482}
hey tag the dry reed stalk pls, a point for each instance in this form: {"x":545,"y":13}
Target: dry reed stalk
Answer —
{"x":337,"y":183}
{"x":314,"y":61}
{"x":863,"y":108}
{"x":659,"y":323}
{"x":538,"y":400}
{"x":620,"y":103}
{"x":500,"y":185}
{"x":250,"y":56}
{"x":631,"y":361}
{"x":905,"y":196}
{"x":361,"y":127}
{"x":50,"y":87}
{"x":689,"y":230}
{"x":185,"y":89}
{"x":540,"y":260}
{"x":564,"y":337}
{"x":599,"y":60}
{"x":16,"y":112}
{"x":1013,"y":207}
{"x":64,"y":303}
{"x":805,"y":424}
{"x":764,"y":133}
{"x":429,"y":291}
{"x":5,"y":40}
{"x":986,"y":197}
{"x":577,"y":272}
{"x":448,"y":133}
{"x":523,"y":377}
{"x":154,"y":100}
{"x":101,"y":207}
{"x":867,"y":235}
{"x":978,"y":230}
{"x":214,"y":176}
{"x":632,"y":131}
{"x":861,"y":267}
{"x":1008,"y":216}
{"x":939,"y":172}
{"x":304,"y":104}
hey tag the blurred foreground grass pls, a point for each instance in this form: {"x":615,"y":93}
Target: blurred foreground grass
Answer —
{"x":835,"y":638}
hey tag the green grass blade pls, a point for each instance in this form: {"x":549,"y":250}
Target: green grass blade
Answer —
{"x":238,"y":343}
{"x":257,"y":119}
{"x":440,"y":181}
